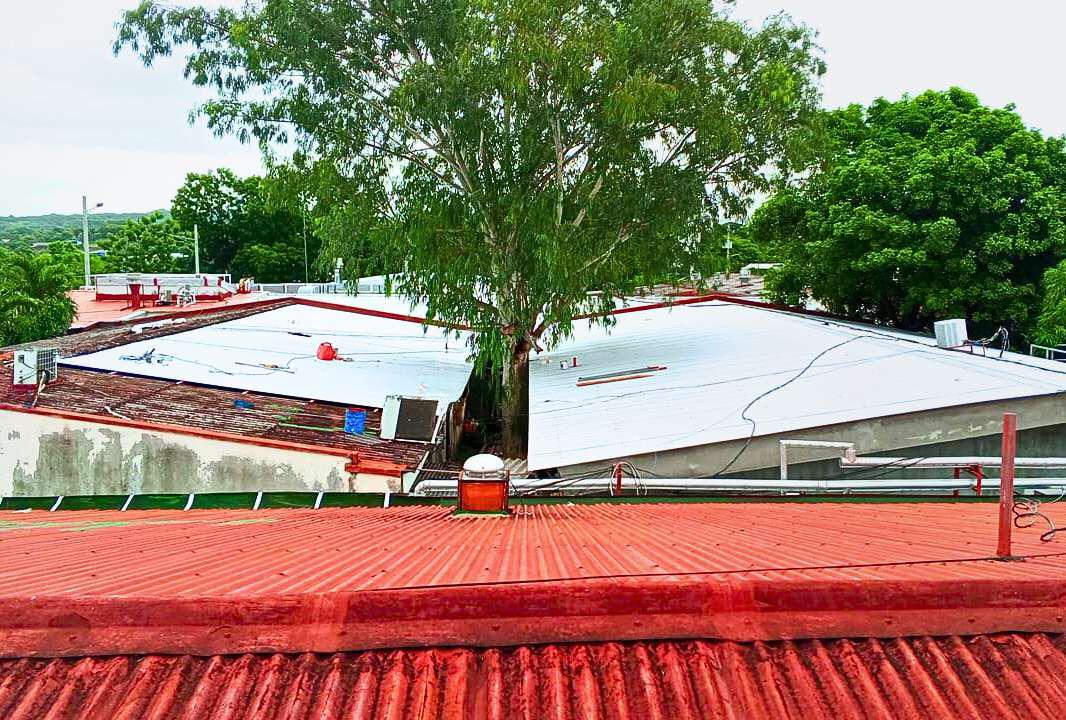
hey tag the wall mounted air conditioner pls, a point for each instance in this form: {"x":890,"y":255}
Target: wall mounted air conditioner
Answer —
{"x":34,"y":365}
{"x":409,"y":418}
{"x":950,"y":333}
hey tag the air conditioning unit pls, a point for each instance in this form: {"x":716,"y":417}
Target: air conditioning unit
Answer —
{"x":34,"y":365}
{"x":951,"y":333}
{"x":409,"y":418}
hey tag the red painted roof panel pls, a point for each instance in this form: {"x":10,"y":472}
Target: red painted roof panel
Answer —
{"x":350,"y":579}
{"x":996,"y":677}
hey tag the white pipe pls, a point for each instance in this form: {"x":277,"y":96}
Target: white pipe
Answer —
{"x":449,"y":487}
{"x":848,"y":448}
{"x":949,"y":462}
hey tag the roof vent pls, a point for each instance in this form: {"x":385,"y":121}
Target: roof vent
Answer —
{"x":33,"y":366}
{"x":409,"y":418}
{"x":483,"y":485}
{"x":950,"y":333}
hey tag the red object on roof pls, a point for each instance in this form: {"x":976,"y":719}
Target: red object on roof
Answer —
{"x":326,"y":352}
{"x":211,"y":582}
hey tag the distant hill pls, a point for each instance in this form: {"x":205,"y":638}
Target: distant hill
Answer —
{"x":26,"y":230}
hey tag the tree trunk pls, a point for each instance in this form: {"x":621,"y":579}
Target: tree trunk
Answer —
{"x":515,"y":408}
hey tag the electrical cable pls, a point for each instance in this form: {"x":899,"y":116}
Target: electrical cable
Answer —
{"x":757,"y":398}
{"x":1027,"y":514}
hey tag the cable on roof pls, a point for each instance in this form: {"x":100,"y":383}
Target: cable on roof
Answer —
{"x":757,"y":398}
{"x":1027,"y":514}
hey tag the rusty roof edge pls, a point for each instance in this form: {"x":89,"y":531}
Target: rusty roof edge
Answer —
{"x":742,"y":608}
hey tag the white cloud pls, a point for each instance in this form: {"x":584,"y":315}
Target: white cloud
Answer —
{"x":75,"y":119}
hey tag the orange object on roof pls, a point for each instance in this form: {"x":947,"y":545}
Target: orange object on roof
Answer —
{"x":326,"y":352}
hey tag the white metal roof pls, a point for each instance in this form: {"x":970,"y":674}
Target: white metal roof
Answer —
{"x":720,"y":356}
{"x":383,"y":356}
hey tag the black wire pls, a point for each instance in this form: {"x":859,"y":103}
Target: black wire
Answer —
{"x":757,"y":398}
{"x":1027,"y":514}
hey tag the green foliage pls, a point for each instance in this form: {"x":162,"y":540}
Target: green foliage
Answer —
{"x":245,"y":230}
{"x":70,"y":256}
{"x":33,"y":300}
{"x":509,"y":156}
{"x":25,"y":232}
{"x":713,"y":256}
{"x":151,"y":244}
{"x":1051,"y":325}
{"x":926,"y":208}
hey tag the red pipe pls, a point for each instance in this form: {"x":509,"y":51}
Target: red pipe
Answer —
{"x":1006,"y":483}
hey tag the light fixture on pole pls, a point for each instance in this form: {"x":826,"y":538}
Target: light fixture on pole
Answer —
{"x":85,"y":238}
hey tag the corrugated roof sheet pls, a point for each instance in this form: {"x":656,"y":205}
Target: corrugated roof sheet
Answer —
{"x":274,"y":351}
{"x":996,"y":677}
{"x":333,"y":579}
{"x":112,"y":334}
{"x":719,"y":356}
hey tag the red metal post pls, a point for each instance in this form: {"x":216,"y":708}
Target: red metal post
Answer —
{"x":618,"y":479}
{"x":1006,"y":483}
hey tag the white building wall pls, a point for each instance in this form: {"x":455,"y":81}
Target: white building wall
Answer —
{"x":42,"y":455}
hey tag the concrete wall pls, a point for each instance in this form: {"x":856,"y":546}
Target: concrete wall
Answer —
{"x":964,"y":430}
{"x":42,"y":455}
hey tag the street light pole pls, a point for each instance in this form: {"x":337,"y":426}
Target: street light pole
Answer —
{"x":85,"y":238}
{"x":196,"y":246}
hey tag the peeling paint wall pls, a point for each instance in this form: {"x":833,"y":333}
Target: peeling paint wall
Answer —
{"x":42,"y":455}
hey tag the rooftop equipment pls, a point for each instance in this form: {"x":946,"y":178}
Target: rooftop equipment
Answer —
{"x":483,"y":485}
{"x":951,"y":333}
{"x":34,"y":365}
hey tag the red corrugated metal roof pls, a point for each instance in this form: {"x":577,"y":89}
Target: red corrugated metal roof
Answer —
{"x":347,"y":579}
{"x":996,"y":677}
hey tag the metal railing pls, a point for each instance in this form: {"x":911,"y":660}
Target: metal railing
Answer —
{"x":1047,"y":353}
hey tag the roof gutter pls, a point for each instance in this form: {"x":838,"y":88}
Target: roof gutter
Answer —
{"x":355,"y":464}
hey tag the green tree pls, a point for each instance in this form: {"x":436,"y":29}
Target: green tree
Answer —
{"x":243,"y":228}
{"x":33,"y":296}
{"x":508,"y":156}
{"x":71,"y":256}
{"x":1051,"y":325}
{"x":927,"y":208}
{"x":152,"y":244}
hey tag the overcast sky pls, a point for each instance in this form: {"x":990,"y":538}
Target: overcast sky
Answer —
{"x":75,"y":119}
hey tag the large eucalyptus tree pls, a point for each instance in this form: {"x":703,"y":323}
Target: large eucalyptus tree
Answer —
{"x":510,"y":156}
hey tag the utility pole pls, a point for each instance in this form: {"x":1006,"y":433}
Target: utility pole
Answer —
{"x":728,"y":250}
{"x":307,"y":275}
{"x":85,"y":238}
{"x":196,"y":247}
